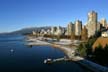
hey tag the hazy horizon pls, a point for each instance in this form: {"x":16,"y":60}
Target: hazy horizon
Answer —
{"x":18,"y":14}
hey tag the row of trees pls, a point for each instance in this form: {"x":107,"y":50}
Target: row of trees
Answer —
{"x":83,"y":35}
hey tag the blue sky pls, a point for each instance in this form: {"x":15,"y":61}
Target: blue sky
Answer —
{"x":17,"y":14}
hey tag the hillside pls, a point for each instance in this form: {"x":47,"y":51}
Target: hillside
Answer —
{"x":102,"y":41}
{"x":28,"y":30}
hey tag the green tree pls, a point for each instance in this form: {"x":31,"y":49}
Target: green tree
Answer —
{"x":58,"y":37}
{"x":84,"y":34}
{"x":99,"y":54}
{"x":73,"y":36}
{"x":82,"y":50}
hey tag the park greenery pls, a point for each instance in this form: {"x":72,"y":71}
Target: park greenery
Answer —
{"x":99,"y":55}
{"x":85,"y":48}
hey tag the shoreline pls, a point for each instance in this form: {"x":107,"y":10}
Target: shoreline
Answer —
{"x":70,"y":53}
{"x":67,"y":50}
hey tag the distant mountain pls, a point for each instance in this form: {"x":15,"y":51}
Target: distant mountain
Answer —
{"x":29,"y":30}
{"x":4,"y":33}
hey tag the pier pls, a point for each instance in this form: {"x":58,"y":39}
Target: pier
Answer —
{"x":49,"y":61}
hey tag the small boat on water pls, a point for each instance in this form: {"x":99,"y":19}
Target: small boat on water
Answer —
{"x":48,"y":61}
{"x":11,"y":50}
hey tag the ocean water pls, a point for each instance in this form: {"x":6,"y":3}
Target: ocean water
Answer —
{"x":30,"y":59}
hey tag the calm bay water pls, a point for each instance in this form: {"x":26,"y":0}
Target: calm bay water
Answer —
{"x":27,"y":59}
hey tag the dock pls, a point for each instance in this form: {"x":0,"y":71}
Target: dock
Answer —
{"x":49,"y":61}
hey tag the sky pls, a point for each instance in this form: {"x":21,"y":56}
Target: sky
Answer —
{"x":17,"y":14}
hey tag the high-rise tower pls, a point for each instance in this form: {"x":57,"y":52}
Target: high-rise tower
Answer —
{"x":70,"y":28}
{"x":92,"y":23}
{"x":78,"y":27}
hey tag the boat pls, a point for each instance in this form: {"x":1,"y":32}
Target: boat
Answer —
{"x":11,"y":50}
{"x":48,"y":61}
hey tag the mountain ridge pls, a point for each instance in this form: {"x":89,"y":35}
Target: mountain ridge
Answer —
{"x":27,"y":30}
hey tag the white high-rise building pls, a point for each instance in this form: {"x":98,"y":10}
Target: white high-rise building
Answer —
{"x":78,"y":27}
{"x":53,"y":30}
{"x":59,"y":31}
{"x":70,"y":28}
{"x":103,"y":22}
{"x":92,"y":23}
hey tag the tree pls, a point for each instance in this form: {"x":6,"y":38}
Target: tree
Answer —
{"x":58,"y":37}
{"x":84,"y":34}
{"x":82,"y":50}
{"x":99,"y":54}
{"x":72,"y":36}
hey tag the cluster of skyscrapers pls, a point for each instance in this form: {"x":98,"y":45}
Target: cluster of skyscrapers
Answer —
{"x":71,"y":28}
{"x":92,"y":25}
